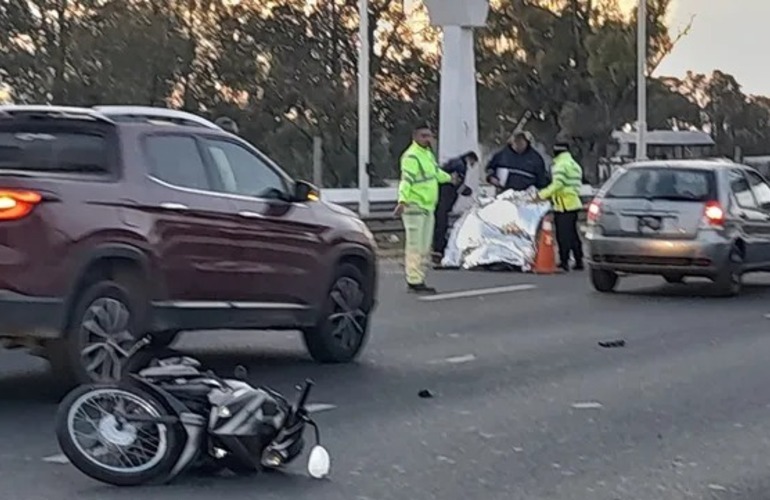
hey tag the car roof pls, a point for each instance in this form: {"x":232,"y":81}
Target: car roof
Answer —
{"x":146,"y":115}
{"x":699,"y":164}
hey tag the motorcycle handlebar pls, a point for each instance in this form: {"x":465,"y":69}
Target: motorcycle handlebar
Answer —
{"x":302,"y":400}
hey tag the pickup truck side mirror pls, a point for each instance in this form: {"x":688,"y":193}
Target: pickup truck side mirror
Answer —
{"x":305,"y":191}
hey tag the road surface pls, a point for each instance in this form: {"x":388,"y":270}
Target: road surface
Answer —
{"x":526,"y":404}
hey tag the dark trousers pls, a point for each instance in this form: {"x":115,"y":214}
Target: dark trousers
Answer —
{"x":568,"y":237}
{"x":447,"y":196}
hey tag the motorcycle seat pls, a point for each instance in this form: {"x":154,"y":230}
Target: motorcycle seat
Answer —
{"x":169,"y":371}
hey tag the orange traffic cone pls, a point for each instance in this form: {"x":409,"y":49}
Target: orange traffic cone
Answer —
{"x":545,"y":256}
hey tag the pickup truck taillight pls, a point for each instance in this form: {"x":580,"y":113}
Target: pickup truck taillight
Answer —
{"x":16,"y":203}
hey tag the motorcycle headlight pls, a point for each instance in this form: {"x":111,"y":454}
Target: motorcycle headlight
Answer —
{"x":224,"y":412}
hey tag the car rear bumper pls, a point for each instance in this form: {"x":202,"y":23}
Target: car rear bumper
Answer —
{"x":704,"y":256}
{"x":30,"y":317}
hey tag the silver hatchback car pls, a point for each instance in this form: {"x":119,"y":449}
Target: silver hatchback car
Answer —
{"x":707,"y":218}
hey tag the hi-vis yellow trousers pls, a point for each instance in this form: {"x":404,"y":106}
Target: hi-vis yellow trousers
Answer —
{"x":418,"y":226}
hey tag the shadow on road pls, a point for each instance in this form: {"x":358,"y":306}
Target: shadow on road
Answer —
{"x":696,"y":290}
{"x":291,"y":483}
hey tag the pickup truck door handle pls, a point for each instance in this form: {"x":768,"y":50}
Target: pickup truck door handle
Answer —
{"x":173,"y":206}
{"x":250,"y":215}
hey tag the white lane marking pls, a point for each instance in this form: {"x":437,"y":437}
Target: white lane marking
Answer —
{"x":465,"y":358}
{"x":461,"y":359}
{"x":57,"y":459}
{"x":476,"y":293}
{"x":319,"y":407}
{"x":589,"y":405}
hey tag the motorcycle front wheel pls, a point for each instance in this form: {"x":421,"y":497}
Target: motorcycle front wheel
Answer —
{"x":97,"y":434}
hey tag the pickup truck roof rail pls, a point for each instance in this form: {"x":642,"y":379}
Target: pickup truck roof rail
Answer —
{"x":68,"y":112}
{"x":150,"y":113}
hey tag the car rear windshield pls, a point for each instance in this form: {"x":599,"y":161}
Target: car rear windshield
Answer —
{"x":665,"y":183}
{"x":53,"y":149}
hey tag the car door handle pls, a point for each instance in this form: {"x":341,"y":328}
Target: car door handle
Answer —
{"x":250,"y":215}
{"x":173,"y":206}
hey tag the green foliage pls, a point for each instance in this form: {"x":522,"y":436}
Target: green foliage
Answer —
{"x":288,"y":72}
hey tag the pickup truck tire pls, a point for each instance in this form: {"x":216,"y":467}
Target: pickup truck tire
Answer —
{"x":106,"y":317}
{"x":342,"y":330}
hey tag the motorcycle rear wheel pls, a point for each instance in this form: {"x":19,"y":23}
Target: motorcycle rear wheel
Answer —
{"x":92,"y":436}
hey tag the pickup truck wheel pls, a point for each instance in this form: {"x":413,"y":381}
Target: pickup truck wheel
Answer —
{"x":104,"y":323}
{"x":342,"y":331}
{"x":604,"y":281}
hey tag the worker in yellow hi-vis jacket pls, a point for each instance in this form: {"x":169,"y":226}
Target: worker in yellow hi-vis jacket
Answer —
{"x":564,"y":194}
{"x":417,"y":198}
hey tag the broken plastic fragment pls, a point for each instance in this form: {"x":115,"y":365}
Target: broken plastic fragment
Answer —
{"x":610,"y":344}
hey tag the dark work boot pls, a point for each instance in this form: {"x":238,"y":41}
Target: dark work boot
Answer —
{"x":421,"y":288}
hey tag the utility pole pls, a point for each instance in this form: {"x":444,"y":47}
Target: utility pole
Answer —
{"x":641,"y":84}
{"x":363,"y":108}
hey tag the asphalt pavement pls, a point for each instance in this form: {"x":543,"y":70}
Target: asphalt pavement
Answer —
{"x":526,"y":403}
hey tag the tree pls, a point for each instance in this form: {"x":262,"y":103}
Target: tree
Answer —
{"x":572,"y":63}
{"x":733,"y":118}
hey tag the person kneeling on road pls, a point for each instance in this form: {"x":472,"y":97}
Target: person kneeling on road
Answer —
{"x":564,"y":194}
{"x":417,"y":198}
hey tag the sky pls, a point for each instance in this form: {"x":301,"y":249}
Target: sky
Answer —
{"x":730,"y":35}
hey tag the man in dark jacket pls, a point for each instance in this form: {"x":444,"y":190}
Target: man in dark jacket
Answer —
{"x":517,"y":166}
{"x":447,"y":197}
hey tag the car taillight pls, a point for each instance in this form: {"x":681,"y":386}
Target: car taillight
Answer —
{"x":16,"y":204}
{"x":713,"y":215}
{"x":594,"y":210}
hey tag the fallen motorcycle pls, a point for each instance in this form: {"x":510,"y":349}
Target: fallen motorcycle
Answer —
{"x":170,"y":417}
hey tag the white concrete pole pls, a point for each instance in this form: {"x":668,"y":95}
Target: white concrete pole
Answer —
{"x":641,"y":75}
{"x":458,"y":109}
{"x":363,"y":108}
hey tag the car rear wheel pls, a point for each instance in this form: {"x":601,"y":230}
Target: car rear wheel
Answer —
{"x":674,"y":278}
{"x":104,"y":324}
{"x":729,"y":282}
{"x":342,"y":331}
{"x":604,"y":281}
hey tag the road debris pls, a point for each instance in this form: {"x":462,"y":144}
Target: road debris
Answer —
{"x":425,"y":394}
{"x":612,"y":344}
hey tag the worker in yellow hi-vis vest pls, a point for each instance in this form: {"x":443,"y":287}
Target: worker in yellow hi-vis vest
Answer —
{"x":417,"y":198}
{"x":564,"y":194}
